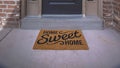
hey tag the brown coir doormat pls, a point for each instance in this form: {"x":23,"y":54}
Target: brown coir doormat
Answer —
{"x":60,"y":40}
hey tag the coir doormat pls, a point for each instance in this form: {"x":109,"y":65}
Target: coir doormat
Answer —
{"x":60,"y":40}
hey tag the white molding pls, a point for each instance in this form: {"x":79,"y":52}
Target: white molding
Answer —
{"x":32,"y":8}
{"x":40,"y":7}
{"x":100,"y":8}
{"x":23,"y":8}
{"x":84,"y":8}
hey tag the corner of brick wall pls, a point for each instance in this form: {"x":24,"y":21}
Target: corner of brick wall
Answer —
{"x":107,"y":12}
{"x":9,"y":13}
{"x":116,"y":16}
{"x":111,"y":13}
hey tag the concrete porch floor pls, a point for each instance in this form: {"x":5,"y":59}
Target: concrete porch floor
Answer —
{"x":104,"y":51}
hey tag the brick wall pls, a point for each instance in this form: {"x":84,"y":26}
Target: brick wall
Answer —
{"x":111,"y":13}
{"x":107,"y":12}
{"x":9,"y":13}
{"x":116,"y":15}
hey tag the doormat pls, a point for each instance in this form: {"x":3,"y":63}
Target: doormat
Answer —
{"x":60,"y":40}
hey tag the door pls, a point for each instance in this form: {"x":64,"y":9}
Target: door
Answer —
{"x":61,"y":6}
{"x":91,"y":7}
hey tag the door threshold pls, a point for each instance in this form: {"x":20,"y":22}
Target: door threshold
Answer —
{"x":62,"y":15}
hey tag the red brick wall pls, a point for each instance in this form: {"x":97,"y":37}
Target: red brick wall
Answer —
{"x":9,"y":12}
{"x":111,"y":13}
{"x":116,"y":15}
{"x":107,"y":12}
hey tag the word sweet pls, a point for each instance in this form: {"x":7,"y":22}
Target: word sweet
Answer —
{"x":63,"y":38}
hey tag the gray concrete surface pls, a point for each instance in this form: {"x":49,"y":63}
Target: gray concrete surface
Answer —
{"x":4,"y":33}
{"x":16,"y":51}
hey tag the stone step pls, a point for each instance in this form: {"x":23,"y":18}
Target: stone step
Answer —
{"x":89,"y":22}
